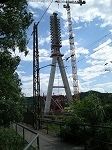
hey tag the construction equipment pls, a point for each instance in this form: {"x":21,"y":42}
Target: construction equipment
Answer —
{"x":71,"y":2}
{"x":72,"y":46}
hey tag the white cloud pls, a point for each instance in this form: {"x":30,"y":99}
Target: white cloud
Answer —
{"x":86,"y":75}
{"x":85,"y":86}
{"x":79,"y":51}
{"x":107,"y":84}
{"x":43,"y":40}
{"x":91,"y":10}
{"x":64,"y":34}
{"x":27,"y":84}
{"x":99,"y":62}
{"x":43,"y":53}
{"x":27,"y":88}
{"x":65,"y":42}
{"x":91,"y":72}
{"x":20,"y":72}
{"x":37,"y":4}
{"x":35,"y":14}
{"x":102,"y":45}
{"x":103,"y":52}
{"x":104,"y":87}
{"x":78,"y":28}
{"x":101,"y":87}
{"x":27,"y":78}
{"x":95,"y":62}
{"x":98,"y":89}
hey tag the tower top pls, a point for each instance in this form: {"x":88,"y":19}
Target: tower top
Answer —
{"x":55,"y":14}
{"x":55,"y":31}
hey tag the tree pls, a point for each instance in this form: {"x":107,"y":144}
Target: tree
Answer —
{"x":14,"y":20}
{"x":89,"y":110}
{"x":11,"y":98}
{"x":86,"y":114}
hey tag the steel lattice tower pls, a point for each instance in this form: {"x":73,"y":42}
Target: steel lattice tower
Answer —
{"x":36,"y":77}
{"x":56,"y":58}
{"x":73,"y":55}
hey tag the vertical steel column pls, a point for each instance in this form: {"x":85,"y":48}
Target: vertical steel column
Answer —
{"x":73,"y":55}
{"x":36,"y":78}
{"x":34,"y":85}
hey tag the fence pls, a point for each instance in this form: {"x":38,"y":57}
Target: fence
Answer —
{"x":36,"y":138}
{"x":48,"y":122}
{"x":96,"y":131}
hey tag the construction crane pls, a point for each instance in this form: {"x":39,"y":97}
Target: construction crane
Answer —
{"x":72,"y":45}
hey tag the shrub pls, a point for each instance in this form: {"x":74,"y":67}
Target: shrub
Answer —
{"x":9,"y":140}
{"x":88,"y":111}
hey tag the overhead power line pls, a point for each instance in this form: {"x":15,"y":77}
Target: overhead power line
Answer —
{"x":103,"y":37}
{"x":80,"y":59}
{"x":44,"y":12}
{"x":98,"y":40}
{"x":40,"y":20}
{"x":95,"y":51}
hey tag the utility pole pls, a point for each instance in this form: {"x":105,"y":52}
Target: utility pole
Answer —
{"x":72,"y":46}
{"x":56,"y":58}
{"x":36,"y":78}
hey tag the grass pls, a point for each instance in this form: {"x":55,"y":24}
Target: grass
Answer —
{"x":53,"y":128}
{"x":10,"y":140}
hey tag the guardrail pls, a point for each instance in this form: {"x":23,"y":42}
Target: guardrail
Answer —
{"x":23,"y":135}
{"x":84,"y":127}
{"x":35,"y":138}
{"x":49,"y":121}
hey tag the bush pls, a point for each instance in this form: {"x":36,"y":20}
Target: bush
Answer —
{"x":11,"y":97}
{"x":88,"y":111}
{"x":9,"y":140}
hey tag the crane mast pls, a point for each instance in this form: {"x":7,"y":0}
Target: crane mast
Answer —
{"x":72,"y":52}
{"x":72,"y":46}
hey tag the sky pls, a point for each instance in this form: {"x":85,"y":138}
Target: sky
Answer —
{"x":92,"y":28}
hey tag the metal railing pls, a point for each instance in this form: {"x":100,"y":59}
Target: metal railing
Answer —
{"x":85,"y":128}
{"x":49,"y":121}
{"x":36,"y":138}
{"x":30,"y":144}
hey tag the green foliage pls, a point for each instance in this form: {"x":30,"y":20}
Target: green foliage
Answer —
{"x":14,"y":20}
{"x":11,"y":98}
{"x":91,"y":110}
{"x":54,"y":129}
{"x":9,"y":140}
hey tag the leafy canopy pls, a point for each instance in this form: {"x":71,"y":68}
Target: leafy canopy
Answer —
{"x":14,"y":20}
{"x":89,"y":110}
{"x":11,"y":98}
